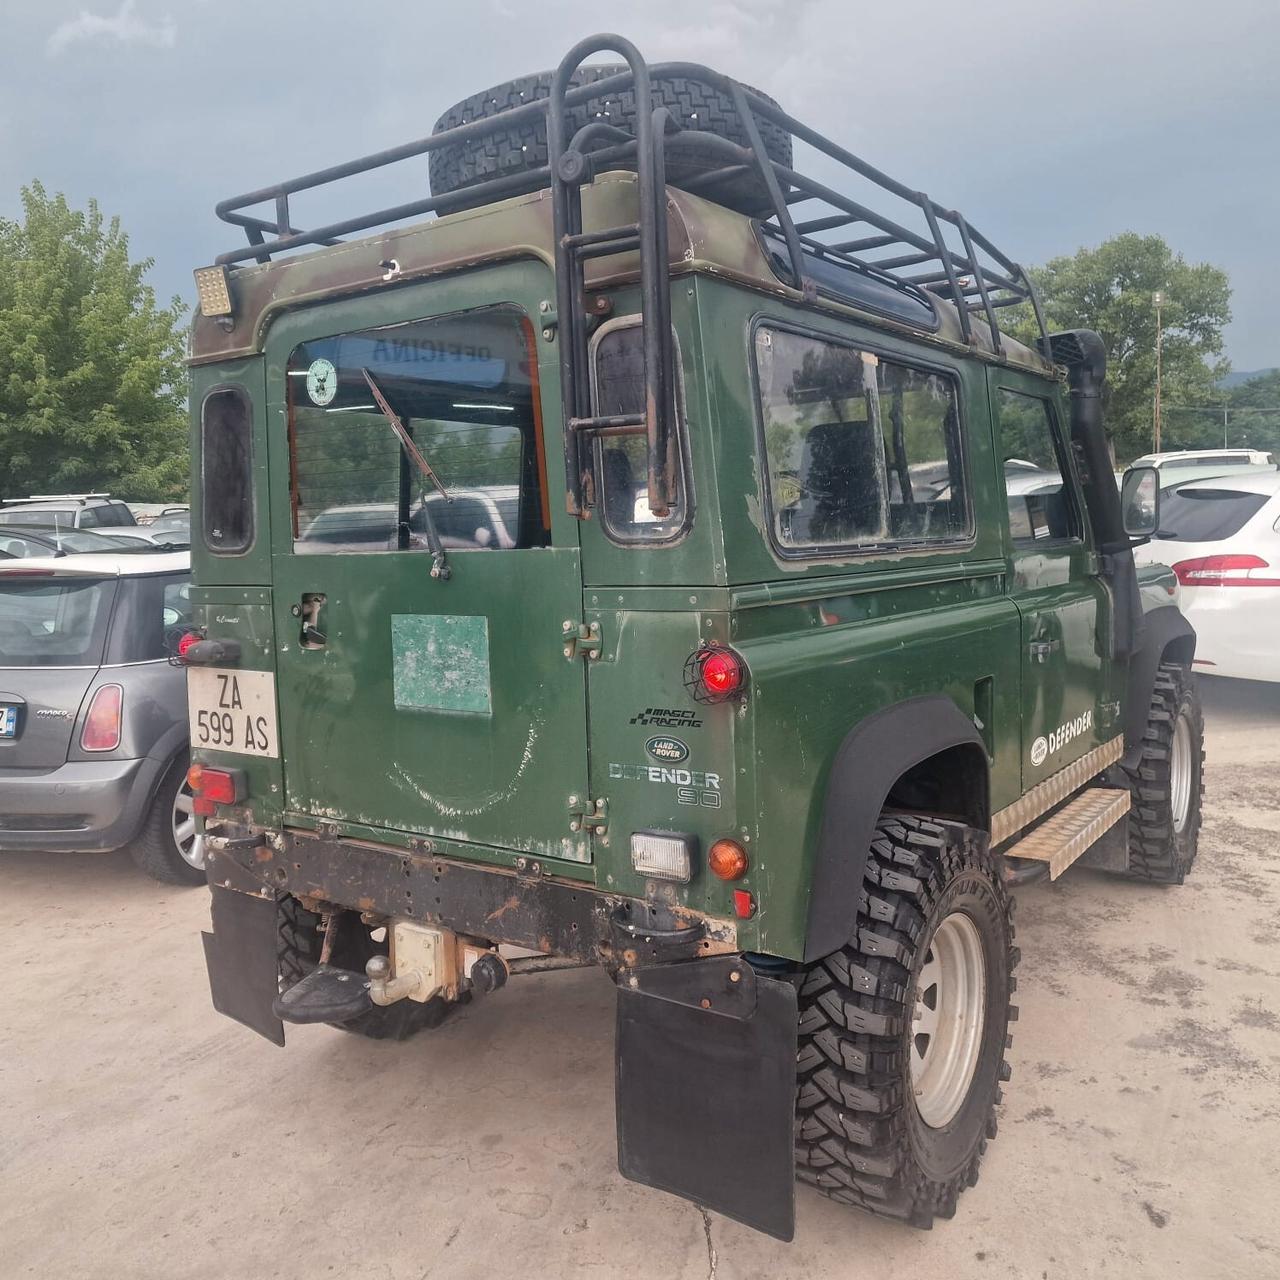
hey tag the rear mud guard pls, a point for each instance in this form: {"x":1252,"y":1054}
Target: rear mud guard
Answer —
{"x":706,"y":1081}
{"x":240,"y":955}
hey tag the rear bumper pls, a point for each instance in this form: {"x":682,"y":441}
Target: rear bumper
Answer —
{"x":83,"y":806}
{"x":532,"y":910}
{"x":1235,"y":631}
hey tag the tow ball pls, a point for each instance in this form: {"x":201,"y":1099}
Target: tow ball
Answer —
{"x":427,"y":962}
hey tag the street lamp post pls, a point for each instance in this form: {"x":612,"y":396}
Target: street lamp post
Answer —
{"x":1158,"y":299}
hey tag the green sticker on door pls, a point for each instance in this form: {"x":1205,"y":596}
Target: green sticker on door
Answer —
{"x":440,"y":662}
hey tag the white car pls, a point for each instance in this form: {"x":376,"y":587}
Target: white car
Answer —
{"x":1224,"y":458}
{"x":1221,"y":537}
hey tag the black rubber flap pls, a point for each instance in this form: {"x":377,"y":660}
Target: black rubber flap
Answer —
{"x":326,"y":994}
{"x":241,"y":958}
{"x":706,"y":1079}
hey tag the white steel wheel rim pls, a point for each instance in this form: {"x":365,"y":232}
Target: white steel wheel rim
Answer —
{"x":1180,"y":760}
{"x":189,"y":843}
{"x":947,"y":1019}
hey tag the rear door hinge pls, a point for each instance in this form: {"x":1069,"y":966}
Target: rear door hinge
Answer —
{"x":581,"y":640}
{"x":586,"y":814}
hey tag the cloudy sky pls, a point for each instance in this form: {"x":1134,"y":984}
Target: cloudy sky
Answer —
{"x":1049,"y":125}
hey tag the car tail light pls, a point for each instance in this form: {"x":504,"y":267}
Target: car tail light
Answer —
{"x":1226,"y":571}
{"x":215,"y":786}
{"x":715,"y":673}
{"x":185,"y":643}
{"x":727,"y":859}
{"x":102,"y":725}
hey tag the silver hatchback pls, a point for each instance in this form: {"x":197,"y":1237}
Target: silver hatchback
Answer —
{"x":93,"y":719}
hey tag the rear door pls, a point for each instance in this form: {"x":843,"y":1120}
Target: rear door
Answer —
{"x":422,"y":582}
{"x":1064,"y":607}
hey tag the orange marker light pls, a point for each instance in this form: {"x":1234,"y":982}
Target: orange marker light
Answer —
{"x":727,"y":859}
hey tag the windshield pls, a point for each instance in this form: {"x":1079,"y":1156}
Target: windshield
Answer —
{"x":53,"y":622}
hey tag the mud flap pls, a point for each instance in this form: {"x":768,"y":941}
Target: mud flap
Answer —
{"x":706,"y":1082}
{"x":241,"y":958}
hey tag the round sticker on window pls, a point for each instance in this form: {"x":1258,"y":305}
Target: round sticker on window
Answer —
{"x":322,"y":382}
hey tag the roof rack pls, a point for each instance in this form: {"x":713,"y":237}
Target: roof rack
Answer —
{"x":810,"y":223}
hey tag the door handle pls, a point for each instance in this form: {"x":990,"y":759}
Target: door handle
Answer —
{"x":1041,"y":649}
{"x":310,"y":637}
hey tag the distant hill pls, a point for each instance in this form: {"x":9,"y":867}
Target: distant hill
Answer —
{"x":1240,"y":376}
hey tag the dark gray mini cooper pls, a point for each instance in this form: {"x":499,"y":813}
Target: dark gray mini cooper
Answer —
{"x":93,"y":716}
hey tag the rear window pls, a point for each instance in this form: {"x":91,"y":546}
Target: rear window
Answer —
{"x":1206,"y":515}
{"x":462,"y":391}
{"x":45,"y":519}
{"x":151,"y":615}
{"x":226,"y":470}
{"x":53,"y":622}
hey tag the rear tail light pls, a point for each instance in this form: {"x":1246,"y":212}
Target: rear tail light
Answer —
{"x":186,"y":641}
{"x":1227,"y":571}
{"x":215,"y":786}
{"x":715,"y":673}
{"x":102,"y":725}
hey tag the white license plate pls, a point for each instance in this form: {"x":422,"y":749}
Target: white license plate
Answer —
{"x":233,"y":711}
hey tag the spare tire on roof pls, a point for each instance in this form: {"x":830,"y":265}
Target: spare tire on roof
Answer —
{"x":698,"y":107}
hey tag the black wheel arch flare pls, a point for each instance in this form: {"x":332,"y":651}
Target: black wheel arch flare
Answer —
{"x":877,"y":752}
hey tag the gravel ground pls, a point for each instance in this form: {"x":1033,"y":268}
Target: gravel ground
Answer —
{"x":142,"y":1135}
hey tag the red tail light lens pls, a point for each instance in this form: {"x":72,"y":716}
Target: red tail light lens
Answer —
{"x":215,"y":786}
{"x":714,"y":674}
{"x":1227,"y":571}
{"x":185,"y":643}
{"x":102,"y":724}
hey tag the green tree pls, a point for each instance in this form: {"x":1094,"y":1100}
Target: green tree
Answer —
{"x":1109,"y":289}
{"x":1253,"y":416}
{"x":92,"y":387}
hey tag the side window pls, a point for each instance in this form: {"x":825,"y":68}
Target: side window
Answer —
{"x":621,"y":462}
{"x":226,"y":470}
{"x":1040,"y":504}
{"x":89,"y":518}
{"x":464,"y":401}
{"x":860,"y":451}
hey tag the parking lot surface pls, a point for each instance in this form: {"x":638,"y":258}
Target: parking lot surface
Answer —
{"x":143,"y":1135}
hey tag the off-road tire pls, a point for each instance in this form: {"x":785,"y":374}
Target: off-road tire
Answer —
{"x":1158,"y":852}
{"x":298,"y":950}
{"x":523,"y":147}
{"x":153,"y":849}
{"x":860,"y":1138}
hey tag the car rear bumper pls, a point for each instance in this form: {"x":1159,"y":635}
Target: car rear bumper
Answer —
{"x":1235,"y":631}
{"x":83,"y":806}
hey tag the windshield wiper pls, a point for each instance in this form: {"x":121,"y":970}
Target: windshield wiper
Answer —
{"x":439,"y":565}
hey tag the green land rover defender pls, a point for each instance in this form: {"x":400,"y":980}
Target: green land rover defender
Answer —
{"x":640,"y":553}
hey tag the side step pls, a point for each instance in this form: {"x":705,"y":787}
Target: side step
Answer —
{"x":1061,"y":839}
{"x":326,"y":994}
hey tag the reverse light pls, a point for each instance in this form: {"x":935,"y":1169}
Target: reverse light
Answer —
{"x":102,"y":725}
{"x":714,"y":673}
{"x":665,"y":855}
{"x":214,"y":291}
{"x":727,"y":859}
{"x":1226,"y":571}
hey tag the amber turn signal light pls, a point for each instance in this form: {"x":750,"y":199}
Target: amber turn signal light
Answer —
{"x":727,"y":859}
